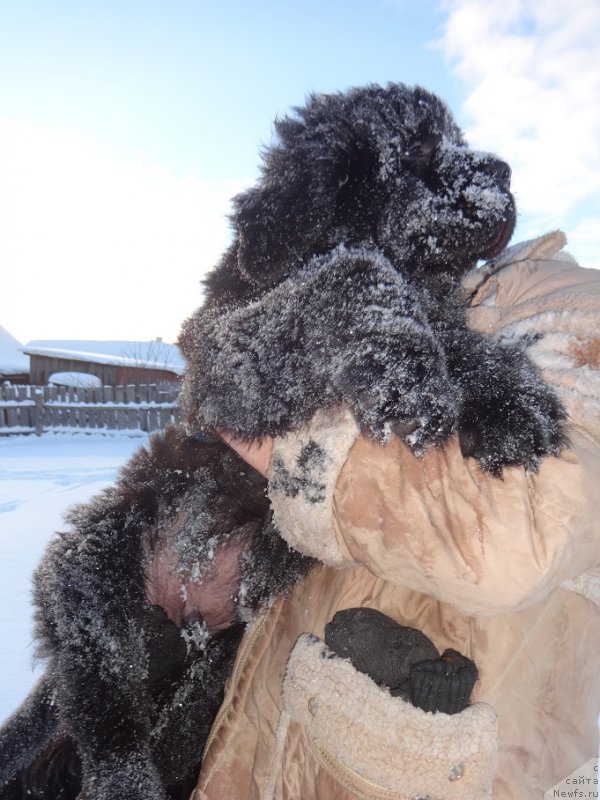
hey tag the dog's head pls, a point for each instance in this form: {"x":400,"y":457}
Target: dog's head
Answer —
{"x":387,"y":167}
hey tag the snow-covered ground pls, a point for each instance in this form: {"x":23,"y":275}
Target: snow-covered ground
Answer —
{"x":40,"y":478}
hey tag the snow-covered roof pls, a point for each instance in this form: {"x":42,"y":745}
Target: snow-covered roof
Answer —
{"x":75,"y":380}
{"x":12,"y":360}
{"x":148,"y":355}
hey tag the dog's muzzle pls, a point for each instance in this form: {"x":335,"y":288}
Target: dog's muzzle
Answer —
{"x":502,"y":236}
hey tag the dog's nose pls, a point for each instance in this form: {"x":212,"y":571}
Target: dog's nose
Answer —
{"x":500,"y":171}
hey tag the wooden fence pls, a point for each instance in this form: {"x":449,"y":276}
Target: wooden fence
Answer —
{"x":35,"y":409}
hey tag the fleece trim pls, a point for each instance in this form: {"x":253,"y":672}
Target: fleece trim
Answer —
{"x":358,"y":731}
{"x":304,"y":470}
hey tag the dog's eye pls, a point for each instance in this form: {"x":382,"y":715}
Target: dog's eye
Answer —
{"x":422,"y":150}
{"x":414,"y":151}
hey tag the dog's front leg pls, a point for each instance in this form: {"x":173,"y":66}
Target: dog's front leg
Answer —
{"x":509,"y":416}
{"x":26,"y":733}
{"x":187,"y":707}
{"x":345,"y":329}
{"x":379,"y":352}
{"x":90,"y":589}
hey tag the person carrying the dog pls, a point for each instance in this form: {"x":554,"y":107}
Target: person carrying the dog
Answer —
{"x":505,"y":571}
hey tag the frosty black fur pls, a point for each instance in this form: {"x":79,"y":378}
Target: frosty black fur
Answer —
{"x":128,"y":696}
{"x":342,"y":286}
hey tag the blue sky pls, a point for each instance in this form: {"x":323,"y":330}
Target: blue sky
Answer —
{"x":195,"y":85}
{"x":126,"y":126}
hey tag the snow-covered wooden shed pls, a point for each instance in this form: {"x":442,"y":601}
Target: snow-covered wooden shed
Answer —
{"x":115,"y":363}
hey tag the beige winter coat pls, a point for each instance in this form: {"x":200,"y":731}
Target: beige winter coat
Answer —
{"x":503,"y":571}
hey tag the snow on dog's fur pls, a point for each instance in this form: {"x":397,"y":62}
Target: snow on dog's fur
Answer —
{"x":341,"y":287}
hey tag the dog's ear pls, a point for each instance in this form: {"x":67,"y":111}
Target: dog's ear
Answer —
{"x":284,"y":220}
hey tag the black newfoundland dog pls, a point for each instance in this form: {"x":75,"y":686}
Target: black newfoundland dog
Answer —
{"x":341,"y":286}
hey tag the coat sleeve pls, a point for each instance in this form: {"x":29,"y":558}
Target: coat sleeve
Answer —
{"x":438,"y":524}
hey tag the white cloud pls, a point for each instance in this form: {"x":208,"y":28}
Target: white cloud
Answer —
{"x":583,"y":241}
{"x":97,"y":247}
{"x":532,"y":73}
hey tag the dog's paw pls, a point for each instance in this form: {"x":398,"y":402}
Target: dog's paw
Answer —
{"x":421,"y":409}
{"x":122,"y":778}
{"x":512,"y":427}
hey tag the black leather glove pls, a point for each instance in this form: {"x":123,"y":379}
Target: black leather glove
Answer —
{"x":402,"y":659}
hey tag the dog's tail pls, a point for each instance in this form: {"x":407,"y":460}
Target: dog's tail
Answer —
{"x":28,"y":731}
